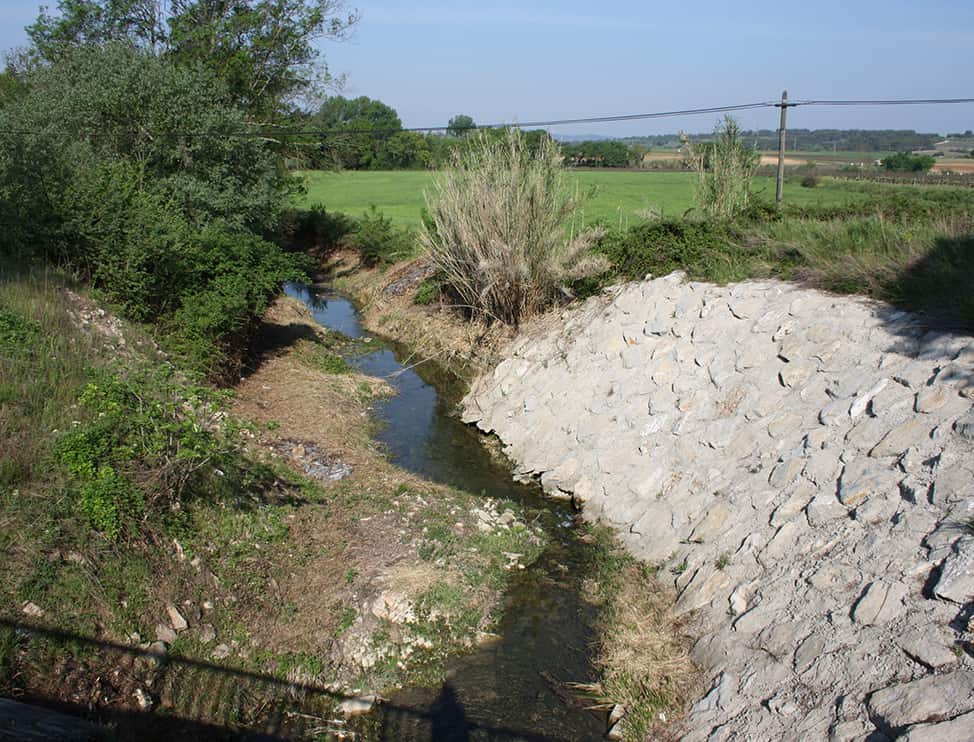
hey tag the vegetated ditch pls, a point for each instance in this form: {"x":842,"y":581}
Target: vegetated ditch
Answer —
{"x":514,"y":686}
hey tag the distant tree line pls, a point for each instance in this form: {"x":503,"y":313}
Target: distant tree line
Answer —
{"x":366,"y":134}
{"x":814,"y":140}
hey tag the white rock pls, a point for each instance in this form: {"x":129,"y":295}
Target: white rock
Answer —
{"x":881,"y":603}
{"x":176,"y":619}
{"x":958,"y":729}
{"x":32,"y":609}
{"x":356,"y":706}
{"x":930,"y":698}
{"x":956,"y":582}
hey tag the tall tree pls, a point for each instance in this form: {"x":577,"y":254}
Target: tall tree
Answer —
{"x":265,"y":50}
{"x":460,"y":125}
{"x":361,"y":126}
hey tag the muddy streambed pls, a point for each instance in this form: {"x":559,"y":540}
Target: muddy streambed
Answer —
{"x":508,"y":689}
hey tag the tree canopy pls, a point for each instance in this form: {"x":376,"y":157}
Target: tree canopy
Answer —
{"x":265,"y":50}
{"x":460,"y":124}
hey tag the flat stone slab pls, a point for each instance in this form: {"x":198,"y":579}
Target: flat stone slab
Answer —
{"x":782,"y":456}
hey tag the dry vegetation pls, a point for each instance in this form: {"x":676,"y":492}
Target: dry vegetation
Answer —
{"x":497,"y":228}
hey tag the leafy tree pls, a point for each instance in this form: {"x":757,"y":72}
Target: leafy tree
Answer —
{"x":125,"y":167}
{"x":404,"y":150}
{"x":11,"y":87}
{"x":265,"y":50}
{"x":907,"y":162}
{"x":607,"y":153}
{"x":361,"y":125}
{"x":460,"y":125}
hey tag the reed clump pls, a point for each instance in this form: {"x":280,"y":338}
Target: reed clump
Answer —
{"x":497,"y":230}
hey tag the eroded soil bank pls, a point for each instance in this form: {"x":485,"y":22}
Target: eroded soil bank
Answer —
{"x":799,"y":466}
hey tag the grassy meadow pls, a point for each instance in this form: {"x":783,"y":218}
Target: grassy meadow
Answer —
{"x":616,"y":198}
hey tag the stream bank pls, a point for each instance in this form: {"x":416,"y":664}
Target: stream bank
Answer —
{"x":799,"y":467}
{"x":513,"y":684}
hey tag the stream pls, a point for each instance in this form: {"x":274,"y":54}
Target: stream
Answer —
{"x":510,"y":689}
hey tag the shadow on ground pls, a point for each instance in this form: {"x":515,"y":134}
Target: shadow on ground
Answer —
{"x":195,"y":700}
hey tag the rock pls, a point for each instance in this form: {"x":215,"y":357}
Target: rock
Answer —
{"x":824,"y":508}
{"x":176,"y":618}
{"x":927,"y":649}
{"x":784,"y":424}
{"x":220,"y":651}
{"x":956,"y":581}
{"x":617,"y":731}
{"x":900,"y":438}
{"x":720,"y":697}
{"x":207,"y":633}
{"x":931,"y":698}
{"x":616,"y":712}
{"x":965,"y":426}
{"x":142,"y":699}
{"x":32,"y":609}
{"x":958,"y":729}
{"x":881,"y":603}
{"x":838,"y":498}
{"x":711,"y":524}
{"x":795,"y":503}
{"x":357,"y":706}
{"x":786,"y":472}
{"x":862,"y":478}
{"x":861,"y":402}
{"x":738,"y":600}
{"x":932,"y":398}
{"x":394,"y":607}
{"x":808,"y":651}
{"x":795,"y":374}
{"x":165,"y":634}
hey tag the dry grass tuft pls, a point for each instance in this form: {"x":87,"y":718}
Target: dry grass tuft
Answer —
{"x":497,"y":228}
{"x":643,"y":655}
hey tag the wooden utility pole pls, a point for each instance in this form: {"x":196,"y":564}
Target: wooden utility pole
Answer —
{"x":781,"y":149}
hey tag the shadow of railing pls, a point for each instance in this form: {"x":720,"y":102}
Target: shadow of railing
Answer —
{"x":193,"y":699}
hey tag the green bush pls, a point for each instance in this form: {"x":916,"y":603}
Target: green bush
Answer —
{"x":17,"y":334}
{"x":907,"y":162}
{"x":109,"y":501}
{"x":314,"y":228}
{"x":809,"y":181}
{"x":378,"y":240}
{"x":428,"y":292}
{"x":118,"y":164}
{"x":145,"y":444}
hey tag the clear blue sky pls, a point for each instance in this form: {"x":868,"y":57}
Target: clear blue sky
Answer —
{"x":538,"y":59}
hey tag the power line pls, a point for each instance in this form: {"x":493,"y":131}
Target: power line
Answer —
{"x":901,"y":102}
{"x":323,"y":133}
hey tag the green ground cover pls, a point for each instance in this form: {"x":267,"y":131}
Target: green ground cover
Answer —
{"x":617,"y":197}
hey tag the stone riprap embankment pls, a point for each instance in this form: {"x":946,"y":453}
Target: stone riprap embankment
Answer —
{"x":800,"y":465}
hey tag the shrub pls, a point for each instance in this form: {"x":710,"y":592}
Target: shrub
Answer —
{"x":810,"y":181}
{"x":498,"y":234}
{"x":315,"y":229}
{"x":144,"y":445}
{"x":427,"y":292}
{"x":117,"y":164}
{"x":378,"y":240}
{"x":726,"y":167}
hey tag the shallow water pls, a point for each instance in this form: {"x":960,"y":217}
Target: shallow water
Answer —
{"x":504,"y":690}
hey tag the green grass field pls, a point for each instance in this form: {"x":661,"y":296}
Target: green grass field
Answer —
{"x":615,"y":197}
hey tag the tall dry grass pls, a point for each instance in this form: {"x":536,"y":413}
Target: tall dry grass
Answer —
{"x":497,"y":227}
